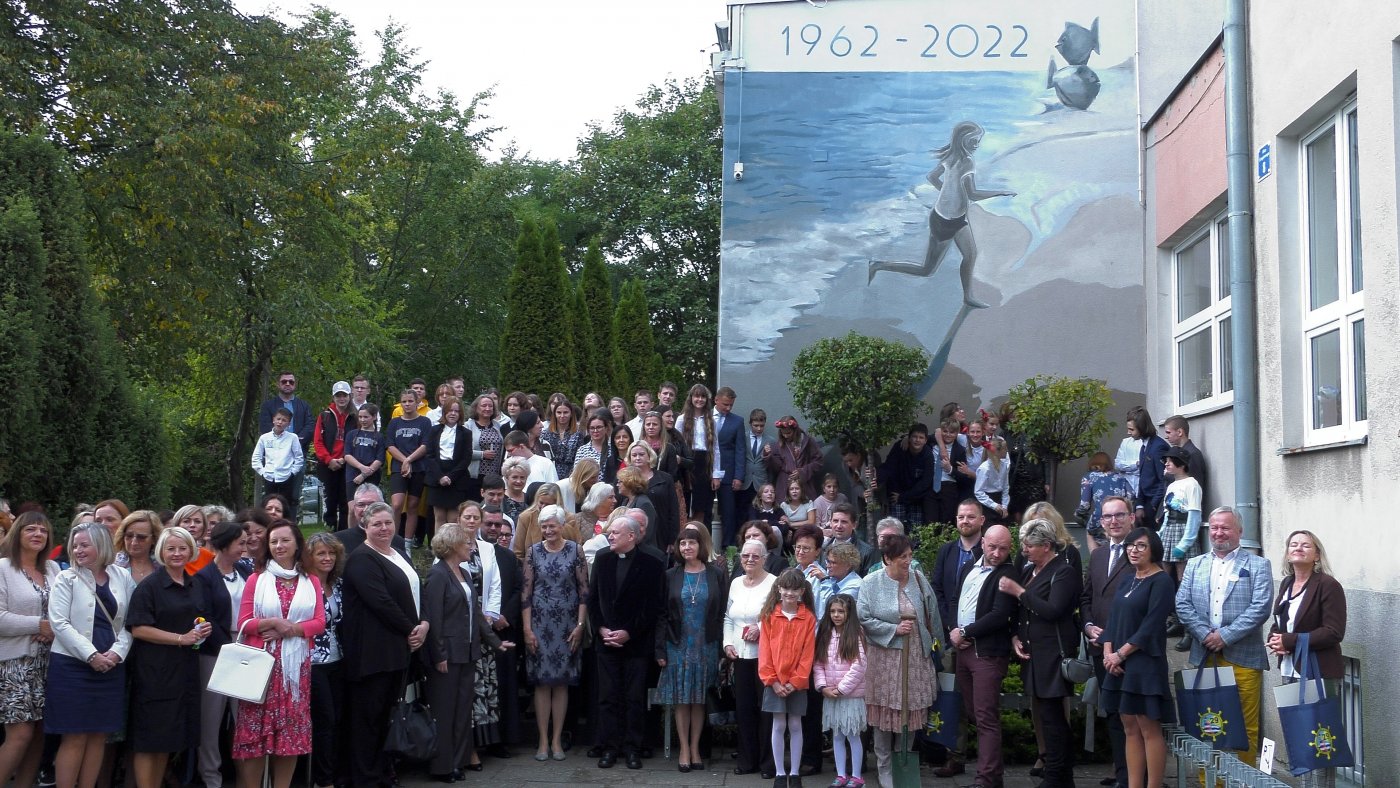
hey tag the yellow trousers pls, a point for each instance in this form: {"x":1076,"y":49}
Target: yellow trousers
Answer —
{"x":1250,"y":683}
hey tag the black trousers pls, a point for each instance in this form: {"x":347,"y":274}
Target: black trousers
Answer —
{"x":328,"y":733}
{"x":450,"y":696}
{"x":508,"y":688}
{"x":755,"y":725}
{"x":368,"y":701}
{"x":812,"y":731}
{"x":333,"y":487}
{"x":622,"y":699}
{"x":702,"y":495}
{"x":1059,"y":750}
{"x":945,"y":503}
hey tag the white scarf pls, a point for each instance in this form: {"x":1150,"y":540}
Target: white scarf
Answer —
{"x":266,"y":604}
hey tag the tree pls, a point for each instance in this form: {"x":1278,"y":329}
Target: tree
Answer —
{"x":529,"y":347}
{"x":636,"y":364}
{"x":1061,"y":418}
{"x":580,"y":337}
{"x":597,"y":295}
{"x":858,"y":389}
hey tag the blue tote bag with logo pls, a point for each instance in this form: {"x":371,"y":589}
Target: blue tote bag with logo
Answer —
{"x":1312,"y":724}
{"x":1208,"y":705}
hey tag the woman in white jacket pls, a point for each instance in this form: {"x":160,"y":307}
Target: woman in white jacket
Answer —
{"x":87,"y":670}
{"x":26,"y":580}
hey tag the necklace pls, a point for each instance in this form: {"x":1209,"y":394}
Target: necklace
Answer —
{"x":692,"y":588}
{"x":1137,"y":581}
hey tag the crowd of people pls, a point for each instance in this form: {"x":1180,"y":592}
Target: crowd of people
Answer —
{"x":578,"y":551}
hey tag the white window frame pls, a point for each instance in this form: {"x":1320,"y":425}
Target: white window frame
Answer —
{"x":1210,"y":319}
{"x":1349,"y":308}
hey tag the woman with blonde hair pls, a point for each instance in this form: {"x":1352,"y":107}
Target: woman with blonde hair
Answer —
{"x":136,"y":540}
{"x":574,"y":489}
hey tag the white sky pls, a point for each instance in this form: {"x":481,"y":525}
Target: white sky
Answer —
{"x":555,"y":65}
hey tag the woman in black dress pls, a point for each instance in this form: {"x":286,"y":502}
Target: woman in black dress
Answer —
{"x":1135,"y":656}
{"x":168,"y":619}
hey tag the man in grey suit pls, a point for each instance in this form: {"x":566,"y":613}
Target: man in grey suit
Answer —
{"x":1223,"y":602}
{"x":755,"y":472}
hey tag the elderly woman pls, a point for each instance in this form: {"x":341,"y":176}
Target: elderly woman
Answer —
{"x":223,"y":581}
{"x":168,"y":618}
{"x":553,"y":605}
{"x":596,"y":509}
{"x":774,"y":562}
{"x":457,"y":631}
{"x":1101,"y":482}
{"x":527,"y":525}
{"x":486,"y":440}
{"x":695,"y":605}
{"x":135,"y":541}
{"x":1049,"y":593}
{"x":1135,"y":657}
{"x":1310,"y":600}
{"x":664,"y":493}
{"x":747,"y":594}
{"x":515,"y":471}
{"x":26,"y":579}
{"x":87,"y":671}
{"x":899,"y":613}
{"x":795,"y":458}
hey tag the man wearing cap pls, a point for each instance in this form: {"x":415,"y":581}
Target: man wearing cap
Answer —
{"x":329,"y":440}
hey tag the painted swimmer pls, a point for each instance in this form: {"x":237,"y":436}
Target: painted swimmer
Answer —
{"x":955,"y":178}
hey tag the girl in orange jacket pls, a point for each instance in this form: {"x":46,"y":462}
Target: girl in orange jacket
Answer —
{"x":786,"y":643}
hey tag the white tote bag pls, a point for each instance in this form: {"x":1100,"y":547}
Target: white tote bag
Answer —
{"x":241,"y":671}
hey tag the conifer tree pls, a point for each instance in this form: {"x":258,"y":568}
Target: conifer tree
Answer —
{"x":586,"y":352}
{"x":636,"y":363}
{"x":596,"y":287}
{"x":528,"y":346}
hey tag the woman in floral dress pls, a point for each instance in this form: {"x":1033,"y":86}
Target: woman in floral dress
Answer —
{"x":553,"y":604}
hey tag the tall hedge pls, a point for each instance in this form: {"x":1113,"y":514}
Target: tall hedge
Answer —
{"x":636,"y":364}
{"x":530,"y":346}
{"x":596,"y":369}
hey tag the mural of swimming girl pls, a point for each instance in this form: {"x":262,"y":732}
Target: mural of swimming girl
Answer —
{"x":956,"y":181}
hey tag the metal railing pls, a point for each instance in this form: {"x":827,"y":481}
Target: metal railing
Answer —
{"x":1220,"y":767}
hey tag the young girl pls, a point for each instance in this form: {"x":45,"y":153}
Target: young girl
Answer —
{"x":364,"y":451}
{"x":993,"y":489}
{"x":786,"y":639}
{"x":797,"y":510}
{"x":829,"y":498}
{"x":839,"y":675}
{"x":765,"y":507}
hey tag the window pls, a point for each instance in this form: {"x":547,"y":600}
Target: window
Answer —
{"x":1201,"y":315}
{"x":1333,"y":303}
{"x":1351,"y":714}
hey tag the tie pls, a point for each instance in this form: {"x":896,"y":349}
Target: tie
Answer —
{"x":1113,"y":554}
{"x":755,"y":446}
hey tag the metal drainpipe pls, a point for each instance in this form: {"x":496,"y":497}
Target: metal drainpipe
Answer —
{"x":1240,"y":216}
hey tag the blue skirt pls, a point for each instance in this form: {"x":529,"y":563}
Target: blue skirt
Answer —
{"x":81,"y":700}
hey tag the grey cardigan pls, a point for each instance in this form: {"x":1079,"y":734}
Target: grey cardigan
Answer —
{"x":877,"y":607}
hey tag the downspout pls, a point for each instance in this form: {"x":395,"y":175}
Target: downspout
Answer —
{"x":1240,"y":218}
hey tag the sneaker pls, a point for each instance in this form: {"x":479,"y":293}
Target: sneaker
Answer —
{"x":839,"y":782}
{"x":46,"y":777}
{"x":855,"y":782}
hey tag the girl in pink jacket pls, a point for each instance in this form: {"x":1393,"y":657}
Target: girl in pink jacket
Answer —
{"x":838,"y":673}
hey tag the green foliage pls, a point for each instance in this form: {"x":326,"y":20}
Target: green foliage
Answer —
{"x":1062,"y":418}
{"x":532,"y":358}
{"x":635,"y":361}
{"x":596,"y":300}
{"x":858,"y":389}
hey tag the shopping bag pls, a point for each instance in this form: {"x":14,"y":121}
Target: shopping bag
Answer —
{"x":1208,"y":705}
{"x":945,"y":715}
{"x":1313,"y":728}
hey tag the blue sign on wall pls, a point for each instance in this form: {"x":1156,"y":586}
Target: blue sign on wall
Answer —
{"x":1266,"y":165}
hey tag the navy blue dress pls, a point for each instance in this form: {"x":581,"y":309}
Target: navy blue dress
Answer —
{"x":79,"y":699}
{"x":1139,"y":617}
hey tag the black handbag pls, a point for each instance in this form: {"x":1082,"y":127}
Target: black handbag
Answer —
{"x":1073,"y":668}
{"x":719,"y":699}
{"x":412,"y":731}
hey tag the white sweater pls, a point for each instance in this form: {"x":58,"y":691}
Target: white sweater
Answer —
{"x":744,"y":606}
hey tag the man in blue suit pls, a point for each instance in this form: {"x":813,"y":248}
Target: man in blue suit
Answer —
{"x":1223,"y":602}
{"x":728,"y":475}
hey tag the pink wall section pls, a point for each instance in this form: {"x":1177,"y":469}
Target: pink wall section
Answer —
{"x":1187,"y":142}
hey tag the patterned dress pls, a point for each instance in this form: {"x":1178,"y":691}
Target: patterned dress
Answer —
{"x":489,"y":439}
{"x":555,"y":585}
{"x":884,"y":693}
{"x":486,"y":705}
{"x":22,"y":679}
{"x":563,"y":449}
{"x":281,"y":724}
{"x":692,"y":665}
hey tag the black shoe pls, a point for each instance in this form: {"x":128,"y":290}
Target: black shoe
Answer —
{"x":608,"y":760}
{"x":645,"y":753}
{"x":596,"y":751}
{"x":1174,"y":628}
{"x":780,"y":781}
{"x":634,"y":760}
{"x":46,"y":777}
{"x":766,"y":774}
{"x":566,"y":740}
{"x":474,"y":767}
{"x":458,"y":774}
{"x":697,"y":766}
{"x":499,"y":751}
{"x":1184,"y":644}
{"x":795,"y":781}
{"x":444,"y":778}
{"x":683,"y":767}
{"x":1109,"y":781}
{"x":741,"y":770}
{"x":1039,"y":771}
{"x":807,"y":770}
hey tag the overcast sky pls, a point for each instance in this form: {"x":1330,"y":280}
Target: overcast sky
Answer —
{"x":555,"y":65}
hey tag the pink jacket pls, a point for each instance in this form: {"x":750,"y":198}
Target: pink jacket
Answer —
{"x":847,"y":677}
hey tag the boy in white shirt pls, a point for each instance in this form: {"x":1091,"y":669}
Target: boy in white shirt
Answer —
{"x":277,"y":456}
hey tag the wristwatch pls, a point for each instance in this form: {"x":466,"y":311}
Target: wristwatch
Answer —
{"x":962,"y":632}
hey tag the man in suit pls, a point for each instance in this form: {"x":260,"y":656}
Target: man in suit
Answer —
{"x":1108,"y":565}
{"x":506,"y":625}
{"x":843,"y":527}
{"x":1223,"y":602}
{"x":354,"y":535}
{"x":755,"y":472}
{"x":626,"y":603}
{"x":981,"y":642}
{"x":953,"y":558}
{"x":730,"y":463}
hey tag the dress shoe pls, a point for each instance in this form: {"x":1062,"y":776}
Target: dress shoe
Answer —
{"x":952,"y":768}
{"x":499,"y":751}
{"x":1174,"y":627}
{"x":634,"y":760}
{"x":683,"y":767}
{"x":596,"y":751}
{"x":608,"y":760}
{"x":474,"y":767}
{"x":794,"y":781}
{"x":741,"y":770}
{"x":766,"y":774}
{"x":697,"y":766}
{"x":444,"y":778}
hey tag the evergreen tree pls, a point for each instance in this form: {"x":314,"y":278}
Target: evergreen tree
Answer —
{"x":636,"y":363}
{"x":559,"y":324}
{"x":596,"y":288}
{"x":586,"y":351}
{"x":23,"y":304}
{"x":528,"y":347}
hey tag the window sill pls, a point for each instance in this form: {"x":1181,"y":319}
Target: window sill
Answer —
{"x":1289,"y":451}
{"x":1208,"y":406}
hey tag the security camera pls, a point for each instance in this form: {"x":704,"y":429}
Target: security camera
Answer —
{"x":738,"y":170}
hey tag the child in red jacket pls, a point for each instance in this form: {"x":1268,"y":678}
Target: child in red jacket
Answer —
{"x":786,"y":643}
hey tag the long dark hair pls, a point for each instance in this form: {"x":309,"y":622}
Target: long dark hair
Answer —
{"x":851,"y":634}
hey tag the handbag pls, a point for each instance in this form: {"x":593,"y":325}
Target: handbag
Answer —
{"x":1208,"y":705}
{"x":1073,"y":669}
{"x":719,"y":698}
{"x":1313,"y":725}
{"x":242,"y":671}
{"x":412,"y":731}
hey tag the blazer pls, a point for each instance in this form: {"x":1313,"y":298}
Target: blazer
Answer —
{"x":1100,"y":589}
{"x":877,"y":607}
{"x":755,"y":473}
{"x":947,"y":579}
{"x":512,"y":583}
{"x":716,"y":603}
{"x":73,"y":611}
{"x":637,"y":607}
{"x":354,"y":536}
{"x":1047,"y":623}
{"x":220,"y":605}
{"x":458,"y":468}
{"x":457,"y":626}
{"x":21,"y":610}
{"x":1249,"y":594}
{"x":661,"y":490}
{"x":990,"y":631}
{"x":1323,"y":616}
{"x":378,"y":615}
{"x":729,"y":445}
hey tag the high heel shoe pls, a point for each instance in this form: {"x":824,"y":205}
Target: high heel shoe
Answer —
{"x":1039,"y":771}
{"x":474,"y":767}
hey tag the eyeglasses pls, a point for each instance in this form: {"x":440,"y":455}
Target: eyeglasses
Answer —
{"x":287,"y":381}
{"x":1137,"y":547}
{"x":747,"y":557}
{"x":1115,"y":516}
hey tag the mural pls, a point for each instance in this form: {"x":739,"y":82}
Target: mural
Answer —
{"x":970,"y":203}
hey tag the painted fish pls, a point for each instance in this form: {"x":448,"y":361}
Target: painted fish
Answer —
{"x":1076,"y":86}
{"x":1076,"y":42}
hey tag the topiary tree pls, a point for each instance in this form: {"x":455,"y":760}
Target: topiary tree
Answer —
{"x":1061,"y":418}
{"x":859,"y":390}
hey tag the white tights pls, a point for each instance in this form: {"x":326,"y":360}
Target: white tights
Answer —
{"x":838,"y":744}
{"x":792,"y":725}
